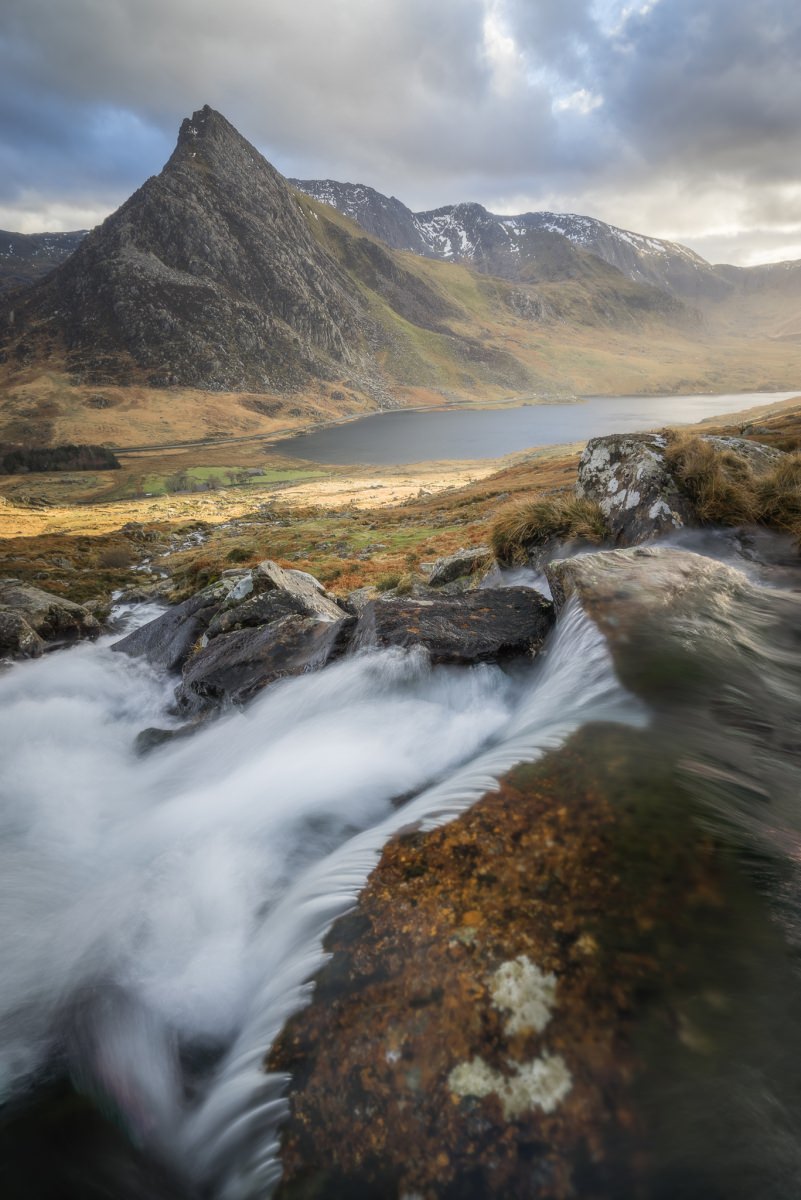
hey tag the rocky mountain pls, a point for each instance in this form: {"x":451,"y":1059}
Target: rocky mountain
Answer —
{"x":217,"y":275}
{"x":512,"y":246}
{"x":25,"y":257}
{"x":208,"y":275}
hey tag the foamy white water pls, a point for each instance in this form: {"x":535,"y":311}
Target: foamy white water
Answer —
{"x":180,"y":900}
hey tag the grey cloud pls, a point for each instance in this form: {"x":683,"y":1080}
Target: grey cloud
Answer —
{"x":697,"y":95}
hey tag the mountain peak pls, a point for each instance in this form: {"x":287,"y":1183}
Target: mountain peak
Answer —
{"x":207,"y":276}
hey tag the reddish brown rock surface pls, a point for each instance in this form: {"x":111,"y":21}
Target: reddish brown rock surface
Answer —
{"x":586,"y":866}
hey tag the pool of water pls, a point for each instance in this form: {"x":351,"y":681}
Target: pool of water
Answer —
{"x":403,"y":437}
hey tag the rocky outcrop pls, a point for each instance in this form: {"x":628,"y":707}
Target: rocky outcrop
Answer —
{"x":31,"y":618}
{"x":512,"y":1008}
{"x":233,"y":667}
{"x":627,"y":476}
{"x":168,"y":640}
{"x":483,"y":626}
{"x":208,"y":276}
{"x":469,"y":565}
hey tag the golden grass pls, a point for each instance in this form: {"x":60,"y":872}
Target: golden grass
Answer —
{"x":725,"y":490}
{"x":720,"y":483}
{"x":779,"y":496}
{"x":532,"y":522}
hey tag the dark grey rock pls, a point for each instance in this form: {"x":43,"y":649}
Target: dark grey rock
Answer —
{"x":257,"y":610}
{"x":168,"y":640}
{"x":482,"y":626}
{"x":235,"y":666}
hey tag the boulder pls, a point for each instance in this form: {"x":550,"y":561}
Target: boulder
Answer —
{"x":482,"y":626}
{"x":30,"y":617}
{"x":471,"y":564}
{"x":307,"y":590}
{"x":620,"y":587}
{"x":17,"y":639}
{"x":506,"y":1012}
{"x":233,"y":667}
{"x":627,"y":476}
{"x":168,"y":640}
{"x":255,"y":611}
{"x":760,"y":458}
{"x":238,"y":601}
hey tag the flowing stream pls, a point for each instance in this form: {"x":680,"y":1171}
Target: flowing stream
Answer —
{"x":163,"y":911}
{"x":160,"y":916}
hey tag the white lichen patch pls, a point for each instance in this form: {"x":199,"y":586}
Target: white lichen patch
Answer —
{"x":542,"y":1083}
{"x":526,"y":993}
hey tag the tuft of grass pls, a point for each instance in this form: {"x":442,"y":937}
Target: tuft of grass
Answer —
{"x":387,"y":582}
{"x":779,"y":496}
{"x":725,"y":490}
{"x":533,"y":522}
{"x":720,"y":483}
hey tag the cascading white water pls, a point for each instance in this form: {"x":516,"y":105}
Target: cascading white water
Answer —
{"x":181,"y":898}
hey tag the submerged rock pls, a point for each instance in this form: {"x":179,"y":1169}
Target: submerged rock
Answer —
{"x":627,"y":476}
{"x":482,"y":626}
{"x":30,"y":618}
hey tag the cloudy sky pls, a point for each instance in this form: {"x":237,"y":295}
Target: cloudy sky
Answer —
{"x":678,"y":118}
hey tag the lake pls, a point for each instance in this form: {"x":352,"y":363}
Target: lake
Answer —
{"x":393,"y":438}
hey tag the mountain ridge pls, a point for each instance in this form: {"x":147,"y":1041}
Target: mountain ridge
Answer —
{"x":217,"y":275}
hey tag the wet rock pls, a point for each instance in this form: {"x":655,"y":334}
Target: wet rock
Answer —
{"x":152,"y":738}
{"x":482,"y":626}
{"x":474,"y":562}
{"x":255,"y":611}
{"x":357,"y":599}
{"x":233,"y":667}
{"x":627,"y":476}
{"x":17,"y":639}
{"x":507,"y":1011}
{"x":31,"y":617}
{"x":168,"y":640}
{"x":618,"y":587}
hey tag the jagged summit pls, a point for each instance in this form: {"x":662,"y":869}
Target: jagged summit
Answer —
{"x":207,"y":276}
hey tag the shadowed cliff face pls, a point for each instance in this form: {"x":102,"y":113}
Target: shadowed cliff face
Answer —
{"x":208,"y":275}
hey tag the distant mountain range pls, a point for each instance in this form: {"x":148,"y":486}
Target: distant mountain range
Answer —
{"x":218,"y":274}
{"x":25,"y":257}
{"x":521,"y":247}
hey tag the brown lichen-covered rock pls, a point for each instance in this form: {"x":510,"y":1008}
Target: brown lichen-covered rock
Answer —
{"x":482,"y":626}
{"x":521,"y":997}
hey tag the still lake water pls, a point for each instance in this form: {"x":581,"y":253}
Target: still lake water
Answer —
{"x":404,"y":437}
